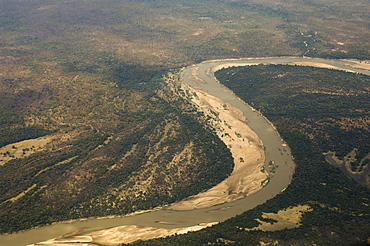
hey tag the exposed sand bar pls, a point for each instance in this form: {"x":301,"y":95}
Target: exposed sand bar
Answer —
{"x":245,"y":147}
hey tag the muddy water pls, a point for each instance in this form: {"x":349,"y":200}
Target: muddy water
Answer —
{"x":275,"y":150}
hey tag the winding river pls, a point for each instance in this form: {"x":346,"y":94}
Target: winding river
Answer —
{"x":274,"y":146}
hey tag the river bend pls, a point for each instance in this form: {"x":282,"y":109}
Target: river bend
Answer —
{"x":175,"y":219}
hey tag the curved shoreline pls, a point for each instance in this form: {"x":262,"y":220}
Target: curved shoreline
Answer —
{"x":230,"y":125}
{"x":188,"y":218}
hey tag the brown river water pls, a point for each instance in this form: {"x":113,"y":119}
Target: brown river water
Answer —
{"x":274,"y":145}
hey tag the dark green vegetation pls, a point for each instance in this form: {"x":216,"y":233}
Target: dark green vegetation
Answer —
{"x":315,"y":110}
{"x":330,"y":107}
{"x":88,"y":72}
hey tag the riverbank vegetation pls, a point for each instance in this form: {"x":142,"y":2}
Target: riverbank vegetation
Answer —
{"x":314,"y":110}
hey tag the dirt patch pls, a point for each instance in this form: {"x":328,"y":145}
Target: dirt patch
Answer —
{"x":24,"y":148}
{"x":28,"y":147}
{"x":285,"y":219}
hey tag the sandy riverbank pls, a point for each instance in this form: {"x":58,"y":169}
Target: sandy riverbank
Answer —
{"x":245,"y":147}
{"x":310,"y":64}
{"x":118,"y":235}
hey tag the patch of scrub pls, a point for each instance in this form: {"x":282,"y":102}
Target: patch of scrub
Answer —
{"x":58,"y":164}
{"x":20,"y":195}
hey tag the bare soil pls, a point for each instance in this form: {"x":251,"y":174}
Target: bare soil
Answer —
{"x":286,"y":219}
{"x":25,"y":148}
